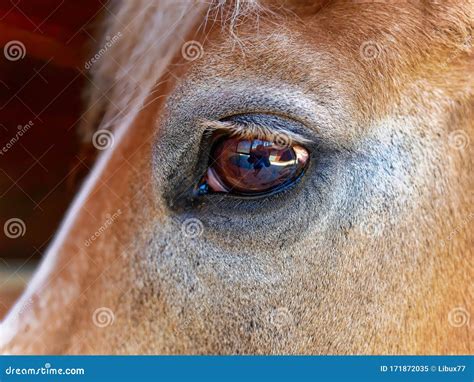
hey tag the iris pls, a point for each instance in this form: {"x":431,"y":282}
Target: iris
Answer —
{"x":252,"y":167}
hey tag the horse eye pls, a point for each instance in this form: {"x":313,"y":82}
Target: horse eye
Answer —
{"x":252,"y":167}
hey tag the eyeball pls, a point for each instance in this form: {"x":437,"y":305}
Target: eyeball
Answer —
{"x":252,"y":167}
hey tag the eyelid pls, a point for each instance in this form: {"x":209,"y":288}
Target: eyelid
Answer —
{"x":279,"y":135}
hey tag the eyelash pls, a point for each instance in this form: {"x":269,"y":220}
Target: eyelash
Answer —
{"x":252,"y":131}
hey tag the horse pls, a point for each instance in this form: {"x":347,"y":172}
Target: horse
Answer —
{"x":351,"y":237}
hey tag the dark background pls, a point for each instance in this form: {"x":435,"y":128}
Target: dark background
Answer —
{"x":41,"y":172}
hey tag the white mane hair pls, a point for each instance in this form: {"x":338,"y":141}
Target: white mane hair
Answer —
{"x":146,"y":36}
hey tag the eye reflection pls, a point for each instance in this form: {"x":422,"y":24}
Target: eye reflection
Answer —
{"x":252,"y":167}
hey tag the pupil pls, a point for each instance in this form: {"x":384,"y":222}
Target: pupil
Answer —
{"x":259,"y":158}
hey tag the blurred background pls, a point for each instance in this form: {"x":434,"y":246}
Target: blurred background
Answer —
{"x":44,"y":47}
